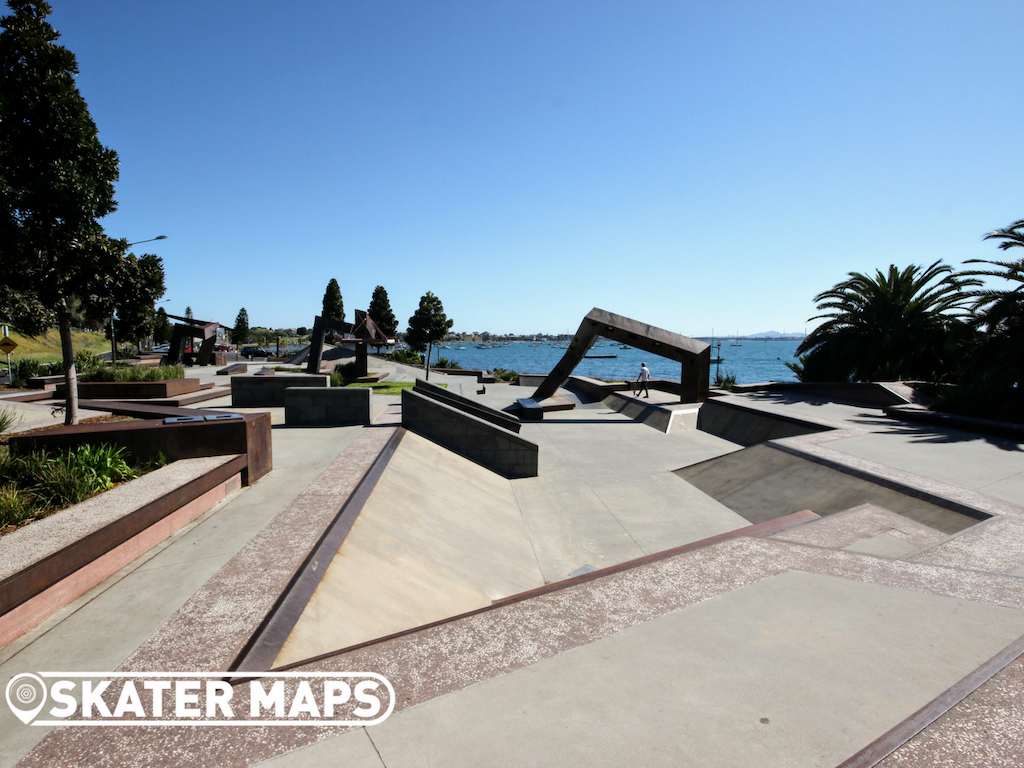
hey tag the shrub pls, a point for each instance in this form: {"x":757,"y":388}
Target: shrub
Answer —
{"x":406,"y":356}
{"x":725,"y":380}
{"x":16,"y":506}
{"x":444,"y":362}
{"x":25,"y":369}
{"x":501,"y":374}
{"x":8,"y":418}
{"x":343,"y":374}
{"x":135,"y":373}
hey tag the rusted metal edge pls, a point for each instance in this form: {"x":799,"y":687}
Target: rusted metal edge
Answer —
{"x":266,"y":642}
{"x":896,"y":737}
{"x":22,"y":586}
{"x":757,"y":530}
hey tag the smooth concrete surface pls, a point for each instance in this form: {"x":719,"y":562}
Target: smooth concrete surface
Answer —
{"x":438,"y":536}
{"x":762,"y":483}
{"x":798,"y":669}
{"x":884,"y":545}
{"x":605,"y":492}
{"x":992,"y":465}
{"x":99,"y":630}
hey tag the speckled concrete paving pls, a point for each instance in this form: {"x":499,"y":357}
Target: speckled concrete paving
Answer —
{"x":548,"y":678}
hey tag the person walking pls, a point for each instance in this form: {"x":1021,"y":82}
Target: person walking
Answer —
{"x":643,"y":378}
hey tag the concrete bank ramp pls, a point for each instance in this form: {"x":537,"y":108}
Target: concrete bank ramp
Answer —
{"x":438,"y":536}
{"x":762,"y":483}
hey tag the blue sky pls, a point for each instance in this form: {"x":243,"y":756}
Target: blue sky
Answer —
{"x":691,"y":165}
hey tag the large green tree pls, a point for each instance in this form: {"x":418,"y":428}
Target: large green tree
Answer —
{"x":381,"y":314}
{"x":900,"y":324}
{"x":129,"y":296}
{"x":334,"y":306}
{"x":56,"y":179}
{"x":427,"y":326}
{"x":240,"y":333}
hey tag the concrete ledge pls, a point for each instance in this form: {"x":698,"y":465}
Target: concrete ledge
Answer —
{"x":146,"y":440}
{"x":268,"y":391}
{"x":666,"y":418}
{"x":46,"y":565}
{"x":595,"y":389}
{"x":119,"y":390}
{"x":499,"y":450}
{"x":748,"y":426}
{"x":233,"y":370}
{"x":531,"y":379}
{"x":873,"y":393}
{"x":327,"y":407}
{"x":464,"y":404}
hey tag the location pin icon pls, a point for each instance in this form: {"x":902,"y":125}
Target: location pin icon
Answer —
{"x":24,"y":691}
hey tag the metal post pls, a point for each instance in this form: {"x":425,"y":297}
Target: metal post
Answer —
{"x":10,"y":371}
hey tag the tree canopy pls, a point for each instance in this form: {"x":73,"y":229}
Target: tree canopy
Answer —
{"x":56,"y":181}
{"x":428,"y":325}
{"x":901,"y":324}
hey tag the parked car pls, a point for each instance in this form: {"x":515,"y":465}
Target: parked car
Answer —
{"x":162,"y":348}
{"x":223,"y":348}
{"x":251,"y":352}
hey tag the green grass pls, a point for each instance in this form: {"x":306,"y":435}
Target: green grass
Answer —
{"x":46,"y":347}
{"x":386,"y":387}
{"x":135,"y":373}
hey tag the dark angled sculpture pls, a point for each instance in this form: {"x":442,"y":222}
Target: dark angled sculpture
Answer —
{"x":188,"y":329}
{"x":364,"y":331}
{"x":693,"y":355}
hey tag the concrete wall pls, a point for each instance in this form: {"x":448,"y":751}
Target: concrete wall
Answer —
{"x":594,"y":389}
{"x":464,"y":404}
{"x":750,"y":427}
{"x":326,"y":407}
{"x":498,"y":449}
{"x":268,"y":391}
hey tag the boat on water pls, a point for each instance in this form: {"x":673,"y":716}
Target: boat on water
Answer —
{"x":625,"y":347}
{"x":598,"y":357}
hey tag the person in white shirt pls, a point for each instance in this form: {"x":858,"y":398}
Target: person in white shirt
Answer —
{"x":643,"y":378}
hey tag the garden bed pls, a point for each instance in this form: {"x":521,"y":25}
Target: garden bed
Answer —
{"x":118,"y":390}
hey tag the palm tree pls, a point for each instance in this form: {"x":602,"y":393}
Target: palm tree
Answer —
{"x":897,"y":325}
{"x":999,"y":314}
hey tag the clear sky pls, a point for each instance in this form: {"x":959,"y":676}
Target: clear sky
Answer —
{"x":693,"y":165}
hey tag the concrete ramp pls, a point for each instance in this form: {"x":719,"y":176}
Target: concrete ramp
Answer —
{"x":761,"y":483}
{"x":438,"y":536}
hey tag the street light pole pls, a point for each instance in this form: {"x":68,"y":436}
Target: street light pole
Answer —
{"x":113,"y":342}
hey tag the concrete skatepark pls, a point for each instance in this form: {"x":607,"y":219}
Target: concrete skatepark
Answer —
{"x":798,"y":581}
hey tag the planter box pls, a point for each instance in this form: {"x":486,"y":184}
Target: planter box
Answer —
{"x":49,"y":563}
{"x":268,"y":391}
{"x":118,"y":390}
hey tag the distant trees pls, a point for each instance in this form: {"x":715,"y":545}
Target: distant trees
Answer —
{"x":56,"y":183}
{"x":381,"y":314}
{"x":428,"y":325}
{"x":161,"y":327}
{"x":188,"y":314}
{"x":240,"y":333}
{"x":901,"y":324}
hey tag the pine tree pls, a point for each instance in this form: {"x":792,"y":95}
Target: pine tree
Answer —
{"x":240,"y":334}
{"x":381,"y":314}
{"x":334,"y":306}
{"x":427,"y":326}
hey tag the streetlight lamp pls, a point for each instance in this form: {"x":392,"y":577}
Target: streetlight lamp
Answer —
{"x":113,"y":342}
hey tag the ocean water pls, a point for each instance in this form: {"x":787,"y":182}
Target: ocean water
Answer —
{"x":751,"y":361}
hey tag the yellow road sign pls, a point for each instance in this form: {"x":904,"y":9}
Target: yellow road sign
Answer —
{"x":8,"y":345}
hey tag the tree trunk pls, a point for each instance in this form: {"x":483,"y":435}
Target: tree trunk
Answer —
{"x":70,"y":375}
{"x":428,"y":360}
